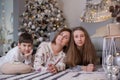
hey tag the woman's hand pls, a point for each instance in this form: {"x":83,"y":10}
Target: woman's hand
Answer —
{"x":52,"y":68}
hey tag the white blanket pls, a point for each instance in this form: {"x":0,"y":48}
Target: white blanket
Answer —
{"x":64,"y":75}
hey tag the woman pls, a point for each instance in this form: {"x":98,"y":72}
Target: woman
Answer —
{"x":50,"y":55}
{"x":81,"y":52}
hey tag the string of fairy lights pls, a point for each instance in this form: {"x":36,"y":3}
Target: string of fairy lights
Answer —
{"x":96,"y":12}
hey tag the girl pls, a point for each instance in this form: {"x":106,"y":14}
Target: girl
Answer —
{"x":81,"y":52}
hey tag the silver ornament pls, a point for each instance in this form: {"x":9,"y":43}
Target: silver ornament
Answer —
{"x":57,"y":19}
{"x":41,"y":31}
{"x":49,"y":34}
{"x":38,"y":15}
{"x":40,"y":39}
{"x":54,"y":28}
{"x":40,"y":1}
{"x":109,"y":60}
{"x":109,"y":69}
{"x":114,"y":77}
{"x":109,"y":75}
{"x":115,"y":70}
{"x":117,"y":54}
{"x":117,"y":60}
{"x":59,"y":15}
{"x":29,"y":23}
{"x":33,"y":27}
{"x":25,"y":24}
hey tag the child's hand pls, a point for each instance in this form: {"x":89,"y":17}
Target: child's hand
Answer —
{"x":28,"y":54}
{"x":84,"y":68}
{"x":90,"y":67}
{"x":52,"y":68}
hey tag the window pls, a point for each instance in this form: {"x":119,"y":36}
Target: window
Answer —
{"x":6,"y":25}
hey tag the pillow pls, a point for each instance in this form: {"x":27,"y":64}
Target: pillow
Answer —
{"x":15,"y":68}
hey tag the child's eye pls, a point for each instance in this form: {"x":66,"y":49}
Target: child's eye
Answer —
{"x":61,"y":34}
{"x":24,"y":45}
{"x":76,"y":36}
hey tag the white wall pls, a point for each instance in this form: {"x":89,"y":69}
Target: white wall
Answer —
{"x":73,"y":9}
{"x":18,"y":8}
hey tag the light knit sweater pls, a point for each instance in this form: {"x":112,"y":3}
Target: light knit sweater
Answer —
{"x":44,"y":56}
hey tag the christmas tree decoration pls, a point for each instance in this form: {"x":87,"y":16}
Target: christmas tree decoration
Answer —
{"x":110,"y":58}
{"x":117,"y":59}
{"x":40,"y":18}
{"x":115,"y":10}
{"x":96,"y":11}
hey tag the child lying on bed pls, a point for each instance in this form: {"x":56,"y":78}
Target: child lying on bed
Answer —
{"x":20,"y":55}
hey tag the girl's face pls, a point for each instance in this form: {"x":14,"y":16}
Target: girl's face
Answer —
{"x":25,"y":48}
{"x":79,"y":38}
{"x":63,"y":38}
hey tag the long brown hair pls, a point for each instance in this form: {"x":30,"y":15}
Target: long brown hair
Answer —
{"x":65,"y":49}
{"x":83,"y":56}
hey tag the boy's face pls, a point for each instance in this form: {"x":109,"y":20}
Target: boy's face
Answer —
{"x":25,"y":48}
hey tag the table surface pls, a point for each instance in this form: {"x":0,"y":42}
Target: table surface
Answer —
{"x":64,"y":75}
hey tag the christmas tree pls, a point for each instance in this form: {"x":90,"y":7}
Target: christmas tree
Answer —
{"x":40,"y":18}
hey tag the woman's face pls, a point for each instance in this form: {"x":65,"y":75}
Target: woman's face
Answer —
{"x":63,"y":38}
{"x":79,"y":38}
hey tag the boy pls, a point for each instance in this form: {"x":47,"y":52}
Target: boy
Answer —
{"x":22,"y":52}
